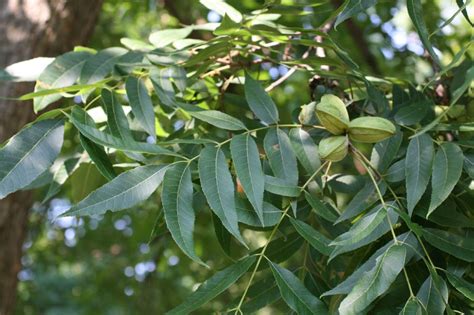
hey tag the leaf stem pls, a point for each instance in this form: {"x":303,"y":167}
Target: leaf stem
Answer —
{"x":261,"y":255}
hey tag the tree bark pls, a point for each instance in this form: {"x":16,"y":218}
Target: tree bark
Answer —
{"x":28,"y":29}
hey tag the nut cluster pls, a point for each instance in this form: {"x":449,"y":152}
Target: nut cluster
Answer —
{"x":333,"y":115}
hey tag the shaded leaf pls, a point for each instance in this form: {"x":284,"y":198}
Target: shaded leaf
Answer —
{"x":453,"y":244}
{"x":418,"y":164}
{"x":447,"y":169}
{"x":305,"y":149}
{"x":357,"y":237}
{"x":124,"y":191}
{"x":321,"y":208}
{"x":280,"y":155}
{"x":259,"y":101}
{"x":141,"y":104}
{"x":433,"y":295}
{"x":116,"y":118}
{"x":247,"y":215}
{"x":249,"y":171}
{"x":282,"y":187}
{"x":177,"y":199}
{"x":346,"y":286}
{"x":28,"y":154}
{"x":218,"y":187}
{"x":384,"y":152}
{"x":413,"y":307}
{"x":365,"y":198}
{"x":317,"y":240}
{"x":213,"y":286}
{"x":463,"y":286}
{"x":295,"y":294}
{"x":375,"y":282}
{"x":99,"y":157}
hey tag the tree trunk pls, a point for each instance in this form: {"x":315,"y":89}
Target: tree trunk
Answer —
{"x":30,"y":28}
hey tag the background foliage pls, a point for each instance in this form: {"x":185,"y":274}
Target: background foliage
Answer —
{"x":327,"y":242}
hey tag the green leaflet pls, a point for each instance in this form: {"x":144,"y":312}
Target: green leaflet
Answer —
{"x":321,"y":208}
{"x":396,"y":172}
{"x":433,"y":295}
{"x":375,"y":282}
{"x":99,"y":157}
{"x":218,"y":187}
{"x":116,"y":119}
{"x":463,"y":286}
{"x":213,"y":117}
{"x":413,"y":307}
{"x":213,"y":286}
{"x":281,"y":248}
{"x":461,"y":4}
{"x":461,"y":247}
{"x":100,"y":65}
{"x":294,"y":293}
{"x":29,"y":153}
{"x":124,"y":191}
{"x":82,"y":121}
{"x":365,"y":198}
{"x":62,"y":72}
{"x":281,"y":187}
{"x":408,"y":239}
{"x":65,"y":170}
{"x":415,"y":12}
{"x":261,"y":294}
{"x":281,"y":156}
{"x":163,"y":38}
{"x":305,"y":149}
{"x":357,"y":237}
{"x":353,"y":7}
{"x":223,"y":9}
{"x":363,"y":227}
{"x":247,"y":215}
{"x":317,"y":240}
{"x":384,"y":152}
{"x":249,"y":171}
{"x":141,"y":104}
{"x":259,"y":101}
{"x":25,"y":71}
{"x":447,"y":169}
{"x":418,"y":164}
{"x":177,"y":199}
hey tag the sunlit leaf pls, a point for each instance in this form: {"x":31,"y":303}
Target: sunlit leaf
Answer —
{"x":124,"y":191}
{"x":28,"y":154}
